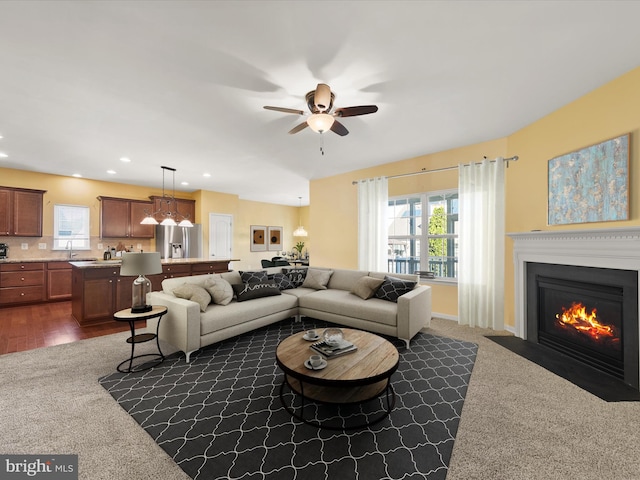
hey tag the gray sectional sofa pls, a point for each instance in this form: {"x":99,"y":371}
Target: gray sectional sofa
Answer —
{"x":189,"y":325}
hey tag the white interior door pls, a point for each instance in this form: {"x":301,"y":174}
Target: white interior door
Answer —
{"x":220,"y":236}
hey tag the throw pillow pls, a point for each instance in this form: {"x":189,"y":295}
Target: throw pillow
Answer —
{"x":317,"y":279}
{"x":220,"y":290}
{"x":393,"y":287}
{"x":366,"y":287}
{"x":281,"y":281}
{"x":296,"y":275}
{"x":249,"y":291}
{"x":195,"y":293}
{"x":251,"y":277}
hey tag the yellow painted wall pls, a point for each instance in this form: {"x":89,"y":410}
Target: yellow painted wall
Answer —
{"x":334,"y":210}
{"x":609,"y":111}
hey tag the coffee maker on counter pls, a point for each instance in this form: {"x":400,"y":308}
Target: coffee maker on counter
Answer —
{"x":4,"y":250}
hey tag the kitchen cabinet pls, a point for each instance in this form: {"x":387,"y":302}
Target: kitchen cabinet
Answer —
{"x":186,"y":208}
{"x":169,"y":271}
{"x":58,"y":281}
{"x":121,"y":217}
{"x":22,"y":283}
{"x":21,"y":212}
{"x":97,"y":293}
{"x":210,"y":267}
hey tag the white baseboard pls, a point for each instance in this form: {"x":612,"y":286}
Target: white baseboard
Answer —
{"x":444,"y":316}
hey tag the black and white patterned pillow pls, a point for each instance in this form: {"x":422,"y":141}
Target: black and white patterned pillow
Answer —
{"x":281,"y":281}
{"x":254,"y":277}
{"x":251,"y":290}
{"x":296,"y":275}
{"x":393,"y":287}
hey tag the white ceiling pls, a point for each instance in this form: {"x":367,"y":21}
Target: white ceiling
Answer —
{"x":183,"y":83}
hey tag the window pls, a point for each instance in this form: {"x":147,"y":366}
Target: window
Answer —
{"x":438,"y":211}
{"x":71,"y":224}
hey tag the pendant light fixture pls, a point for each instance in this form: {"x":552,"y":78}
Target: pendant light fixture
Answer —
{"x":171,"y":213}
{"x":300,"y":231}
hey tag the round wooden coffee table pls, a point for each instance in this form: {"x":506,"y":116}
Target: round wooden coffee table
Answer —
{"x":352,"y":378}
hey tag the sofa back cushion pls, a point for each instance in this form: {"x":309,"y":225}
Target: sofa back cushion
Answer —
{"x":345,"y":279}
{"x":169,"y":284}
{"x":402,"y":276}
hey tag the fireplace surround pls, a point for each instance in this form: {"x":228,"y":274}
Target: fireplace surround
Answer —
{"x":613,"y":253}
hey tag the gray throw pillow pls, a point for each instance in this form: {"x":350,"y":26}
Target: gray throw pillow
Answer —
{"x":393,"y":287}
{"x":366,"y":287}
{"x":195,"y":293}
{"x":317,"y":279}
{"x":249,"y":291}
{"x":220,"y":290}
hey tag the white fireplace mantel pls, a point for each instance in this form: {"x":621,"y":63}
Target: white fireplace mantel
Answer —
{"x":617,"y":248}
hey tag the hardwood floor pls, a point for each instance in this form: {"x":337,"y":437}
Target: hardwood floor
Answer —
{"x":34,"y":326}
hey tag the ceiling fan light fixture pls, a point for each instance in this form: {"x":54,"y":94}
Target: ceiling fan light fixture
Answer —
{"x":320,"y":122}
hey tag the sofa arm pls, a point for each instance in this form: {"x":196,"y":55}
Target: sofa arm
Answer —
{"x":180,"y":326}
{"x":414,"y":312}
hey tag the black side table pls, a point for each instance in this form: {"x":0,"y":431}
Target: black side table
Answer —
{"x":157,"y":358}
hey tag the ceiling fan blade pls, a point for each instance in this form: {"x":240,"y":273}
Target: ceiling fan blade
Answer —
{"x":285,"y":110}
{"x":322,"y":97}
{"x":338,"y":128}
{"x":353,"y":111}
{"x":299,"y":127}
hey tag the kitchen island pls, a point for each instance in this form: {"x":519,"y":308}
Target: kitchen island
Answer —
{"x":98,"y":290}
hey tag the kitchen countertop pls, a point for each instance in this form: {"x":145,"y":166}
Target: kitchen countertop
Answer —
{"x":169,"y":261}
{"x":45,"y":260}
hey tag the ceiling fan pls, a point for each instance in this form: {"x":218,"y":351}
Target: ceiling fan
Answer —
{"x":320,"y":103}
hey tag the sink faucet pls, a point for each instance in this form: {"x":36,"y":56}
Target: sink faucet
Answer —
{"x":69,"y":247}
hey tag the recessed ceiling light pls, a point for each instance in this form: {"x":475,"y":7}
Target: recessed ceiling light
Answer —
{"x":206,"y":174}
{"x":77,"y":175}
{"x":184,"y":183}
{"x":111,"y":172}
{"x":125,"y":159}
{"x":3,"y":155}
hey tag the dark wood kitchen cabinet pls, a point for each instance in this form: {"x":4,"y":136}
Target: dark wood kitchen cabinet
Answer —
{"x":21,"y":212}
{"x":58,"y":281}
{"x":22,"y":283}
{"x":97,"y":293}
{"x":121,"y":217}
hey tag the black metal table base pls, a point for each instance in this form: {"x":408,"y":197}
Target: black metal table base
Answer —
{"x":157,"y":358}
{"x":388,"y":392}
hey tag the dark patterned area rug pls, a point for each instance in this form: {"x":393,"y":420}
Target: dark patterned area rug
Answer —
{"x":220,"y":416}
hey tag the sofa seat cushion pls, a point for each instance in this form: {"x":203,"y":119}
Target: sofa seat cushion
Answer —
{"x":299,"y":292}
{"x":218,"y":317}
{"x":342,"y":302}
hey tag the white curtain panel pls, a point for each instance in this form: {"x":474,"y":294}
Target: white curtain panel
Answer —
{"x":481,"y":245}
{"x":373,"y":199}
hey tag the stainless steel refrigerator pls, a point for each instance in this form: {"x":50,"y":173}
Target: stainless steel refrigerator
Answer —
{"x":179,"y":242}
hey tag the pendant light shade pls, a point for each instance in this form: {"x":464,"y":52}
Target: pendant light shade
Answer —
{"x":300,"y":231}
{"x":170,"y":212}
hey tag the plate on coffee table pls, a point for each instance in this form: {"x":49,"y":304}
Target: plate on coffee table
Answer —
{"x":311,"y":339}
{"x":323,"y":364}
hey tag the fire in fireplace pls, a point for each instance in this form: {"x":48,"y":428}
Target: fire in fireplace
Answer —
{"x":577,"y":320}
{"x":590,"y":314}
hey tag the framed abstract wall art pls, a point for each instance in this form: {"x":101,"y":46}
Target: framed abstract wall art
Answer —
{"x":258,"y":238}
{"x":591,"y":184}
{"x":274,"y":236}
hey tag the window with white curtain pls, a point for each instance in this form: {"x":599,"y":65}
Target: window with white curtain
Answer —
{"x":71,"y":227}
{"x":416,"y":220}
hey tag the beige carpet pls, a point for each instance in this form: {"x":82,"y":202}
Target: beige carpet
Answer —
{"x":519,"y":421}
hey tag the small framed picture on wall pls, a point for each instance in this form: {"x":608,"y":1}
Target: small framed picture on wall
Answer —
{"x":258,"y":238}
{"x":274,"y":237}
